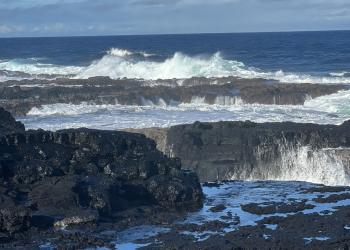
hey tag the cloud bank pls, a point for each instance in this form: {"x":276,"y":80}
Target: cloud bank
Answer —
{"x":104,"y":17}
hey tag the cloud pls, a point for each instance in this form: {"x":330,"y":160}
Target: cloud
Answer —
{"x":339,"y":14}
{"x":106,"y":17}
{"x":23,"y":4}
{"x":5,"y":29}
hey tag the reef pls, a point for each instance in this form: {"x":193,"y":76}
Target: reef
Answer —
{"x":19,"y":97}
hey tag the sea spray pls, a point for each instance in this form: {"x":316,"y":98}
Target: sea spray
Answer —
{"x":285,"y":160}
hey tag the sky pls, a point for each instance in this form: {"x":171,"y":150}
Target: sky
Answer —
{"x":132,"y":17}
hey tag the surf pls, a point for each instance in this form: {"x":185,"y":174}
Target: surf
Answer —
{"x":119,"y":63}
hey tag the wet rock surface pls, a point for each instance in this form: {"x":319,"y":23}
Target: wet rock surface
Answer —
{"x":8,"y":124}
{"x":275,"y":207}
{"x":314,"y":226}
{"x":19,"y":97}
{"x":52,"y":180}
{"x":247,"y":150}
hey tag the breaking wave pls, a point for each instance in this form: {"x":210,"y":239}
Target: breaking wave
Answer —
{"x":338,"y":103}
{"x":121,"y":63}
{"x":340,"y":74}
{"x":126,"y":53}
{"x":181,"y":66}
{"x":32,"y":67}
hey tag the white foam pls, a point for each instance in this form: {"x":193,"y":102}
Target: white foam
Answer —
{"x":181,"y":66}
{"x":300,"y":163}
{"x":68,"y":109}
{"x":121,"y":63}
{"x":35,"y":68}
{"x":119,"y":52}
{"x":59,"y":116}
{"x":126,"y":53}
{"x":335,"y":103}
{"x":339,"y":74}
{"x":228,"y":100}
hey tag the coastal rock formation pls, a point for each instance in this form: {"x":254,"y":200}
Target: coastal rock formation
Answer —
{"x":82,"y":176}
{"x":19,"y":97}
{"x":247,"y":150}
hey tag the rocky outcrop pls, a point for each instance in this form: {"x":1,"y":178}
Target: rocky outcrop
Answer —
{"x":83,"y":176}
{"x":8,"y":124}
{"x":19,"y":97}
{"x":247,"y":150}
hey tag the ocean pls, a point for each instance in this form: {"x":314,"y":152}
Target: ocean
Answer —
{"x":295,"y":57}
{"x":272,"y":191}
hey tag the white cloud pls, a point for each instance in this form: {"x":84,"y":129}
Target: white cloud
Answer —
{"x":12,"y":4}
{"x":6,"y":29}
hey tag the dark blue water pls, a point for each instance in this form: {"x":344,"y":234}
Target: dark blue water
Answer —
{"x":304,"y":57}
{"x":316,"y":53}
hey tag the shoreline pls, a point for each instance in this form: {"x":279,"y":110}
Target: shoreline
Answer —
{"x":225,"y":219}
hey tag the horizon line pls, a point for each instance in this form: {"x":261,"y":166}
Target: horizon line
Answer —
{"x":179,"y":34}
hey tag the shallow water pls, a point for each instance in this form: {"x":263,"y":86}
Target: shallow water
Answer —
{"x":233,"y":195}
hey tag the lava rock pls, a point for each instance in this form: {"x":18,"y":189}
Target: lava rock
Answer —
{"x":79,"y":176}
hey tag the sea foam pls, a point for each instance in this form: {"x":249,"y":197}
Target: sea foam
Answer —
{"x":120,"y":63}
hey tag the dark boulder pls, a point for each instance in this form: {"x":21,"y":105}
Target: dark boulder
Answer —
{"x":81,"y":176}
{"x":13,"y":217}
{"x":8,"y":124}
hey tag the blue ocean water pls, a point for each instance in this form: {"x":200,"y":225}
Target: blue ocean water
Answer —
{"x":298,"y":53}
{"x":296,"y":57}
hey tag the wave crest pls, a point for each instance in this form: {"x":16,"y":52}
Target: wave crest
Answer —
{"x":126,"y":53}
{"x":121,"y":63}
{"x":178,"y":66}
{"x":33,"y":67}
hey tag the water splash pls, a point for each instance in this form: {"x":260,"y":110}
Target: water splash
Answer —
{"x":292,"y":161}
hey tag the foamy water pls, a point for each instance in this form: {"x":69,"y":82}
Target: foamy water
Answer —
{"x":330,"y":109}
{"x":120,"y":63}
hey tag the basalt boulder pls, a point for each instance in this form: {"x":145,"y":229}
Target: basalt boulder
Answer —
{"x":8,"y":124}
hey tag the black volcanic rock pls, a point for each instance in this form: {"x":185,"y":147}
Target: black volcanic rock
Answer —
{"x":19,"y":97}
{"x":81,"y":176}
{"x":8,"y":124}
{"x":243,"y":150}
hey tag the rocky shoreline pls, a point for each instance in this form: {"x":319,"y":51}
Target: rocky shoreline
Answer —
{"x":52,"y":180}
{"x":247,"y":150}
{"x":83,"y":188}
{"x":19,"y":97}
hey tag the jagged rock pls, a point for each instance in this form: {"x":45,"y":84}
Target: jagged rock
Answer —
{"x":13,"y":218}
{"x":8,"y":124}
{"x":79,"y":176}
